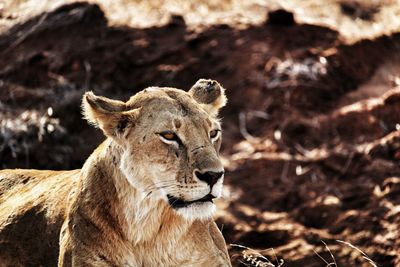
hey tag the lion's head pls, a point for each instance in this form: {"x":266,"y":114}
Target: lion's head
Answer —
{"x":170,"y":141}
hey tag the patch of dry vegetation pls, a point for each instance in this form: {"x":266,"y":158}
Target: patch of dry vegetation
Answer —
{"x":254,"y":258}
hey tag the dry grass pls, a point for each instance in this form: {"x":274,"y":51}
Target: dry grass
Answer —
{"x":254,"y":258}
{"x":19,"y":134}
{"x":251,"y":257}
{"x":328,"y":264}
{"x":364,"y":256}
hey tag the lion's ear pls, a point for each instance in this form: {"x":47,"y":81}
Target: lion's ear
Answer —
{"x":210,"y":94}
{"x":111,"y":116}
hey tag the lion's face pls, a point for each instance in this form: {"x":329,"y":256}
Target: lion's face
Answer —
{"x":170,"y":141}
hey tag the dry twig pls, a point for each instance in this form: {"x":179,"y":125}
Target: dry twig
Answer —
{"x":256,"y":259}
{"x":365,"y":256}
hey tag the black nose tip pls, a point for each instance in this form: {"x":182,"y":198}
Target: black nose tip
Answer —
{"x":209,"y":177}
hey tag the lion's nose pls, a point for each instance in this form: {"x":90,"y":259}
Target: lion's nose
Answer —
{"x":209,"y":177}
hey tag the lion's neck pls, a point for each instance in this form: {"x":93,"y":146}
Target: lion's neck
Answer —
{"x":142,"y":218}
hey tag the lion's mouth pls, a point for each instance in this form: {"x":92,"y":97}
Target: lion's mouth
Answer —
{"x":177,"y":203}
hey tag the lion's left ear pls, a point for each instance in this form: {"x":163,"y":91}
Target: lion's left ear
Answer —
{"x":210,"y":94}
{"x":111,"y":116}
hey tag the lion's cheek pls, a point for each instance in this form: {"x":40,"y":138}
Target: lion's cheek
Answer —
{"x":137,"y":174}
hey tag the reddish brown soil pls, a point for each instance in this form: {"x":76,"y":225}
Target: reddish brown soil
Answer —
{"x":312,"y":128}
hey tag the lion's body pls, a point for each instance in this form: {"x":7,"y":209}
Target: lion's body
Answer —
{"x":32,"y":210}
{"x":114,"y":211}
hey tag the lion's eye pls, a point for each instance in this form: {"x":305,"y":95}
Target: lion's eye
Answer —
{"x":214,"y":134}
{"x":168,"y":135}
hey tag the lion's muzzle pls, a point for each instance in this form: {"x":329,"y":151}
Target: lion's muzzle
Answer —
{"x":211,"y":178}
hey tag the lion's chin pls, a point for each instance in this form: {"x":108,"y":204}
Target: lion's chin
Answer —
{"x":197,"y":211}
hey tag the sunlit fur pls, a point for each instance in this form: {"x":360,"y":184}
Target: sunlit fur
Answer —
{"x":115,"y":210}
{"x":201,"y":211}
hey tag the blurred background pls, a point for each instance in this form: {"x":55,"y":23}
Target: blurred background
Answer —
{"x":311,"y":131}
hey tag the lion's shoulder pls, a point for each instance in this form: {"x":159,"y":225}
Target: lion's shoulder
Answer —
{"x":34,"y":183}
{"x":32,"y":209}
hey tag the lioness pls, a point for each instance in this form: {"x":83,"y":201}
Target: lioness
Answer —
{"x":143,"y":198}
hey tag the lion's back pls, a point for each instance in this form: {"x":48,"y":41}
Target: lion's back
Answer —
{"x":32,"y":210}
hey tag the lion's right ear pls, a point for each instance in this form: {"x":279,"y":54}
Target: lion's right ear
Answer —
{"x":111,"y":116}
{"x":209,"y":94}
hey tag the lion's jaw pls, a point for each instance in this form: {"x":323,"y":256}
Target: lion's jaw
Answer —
{"x":202,"y":209}
{"x":145,"y":179}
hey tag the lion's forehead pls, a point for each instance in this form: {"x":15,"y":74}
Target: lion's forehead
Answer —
{"x":173,"y":120}
{"x":163,"y":95}
{"x":172,"y":105}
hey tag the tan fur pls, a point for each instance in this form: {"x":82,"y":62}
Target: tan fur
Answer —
{"x":115,"y":211}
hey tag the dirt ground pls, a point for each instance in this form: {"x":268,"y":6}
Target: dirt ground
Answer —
{"x":311,"y":131}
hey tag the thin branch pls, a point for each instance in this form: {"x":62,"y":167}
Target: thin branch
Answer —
{"x":365,"y":256}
